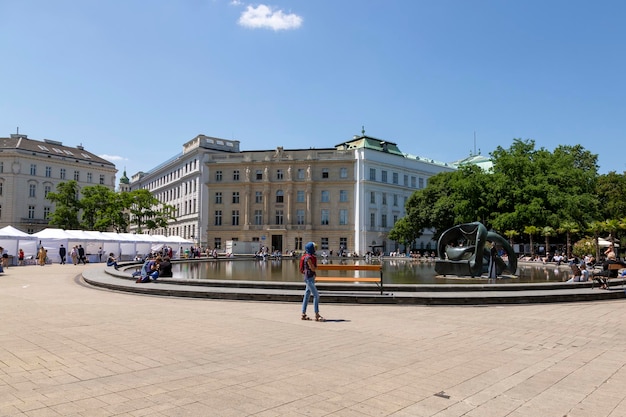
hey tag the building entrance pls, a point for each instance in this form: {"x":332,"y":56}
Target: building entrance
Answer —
{"x":277,"y":242}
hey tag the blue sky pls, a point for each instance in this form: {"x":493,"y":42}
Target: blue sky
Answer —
{"x":133,"y":80}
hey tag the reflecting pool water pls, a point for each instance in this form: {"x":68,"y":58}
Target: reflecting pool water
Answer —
{"x":395,"y":271}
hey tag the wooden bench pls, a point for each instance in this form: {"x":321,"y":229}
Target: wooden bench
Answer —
{"x":343,"y":267}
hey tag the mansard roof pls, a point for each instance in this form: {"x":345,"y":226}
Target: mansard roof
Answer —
{"x":50,"y":147}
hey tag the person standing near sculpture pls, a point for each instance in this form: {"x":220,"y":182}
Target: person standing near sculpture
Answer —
{"x":492,"y":271}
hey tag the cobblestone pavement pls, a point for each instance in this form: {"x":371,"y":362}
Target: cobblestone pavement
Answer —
{"x":67,"y":349}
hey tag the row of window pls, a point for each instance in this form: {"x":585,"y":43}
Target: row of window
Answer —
{"x":395,"y":178}
{"x":173,"y":175}
{"x":278,"y":174}
{"x":279,"y":217}
{"x":297,"y":244}
{"x":280,"y":197}
{"x":62,"y":173}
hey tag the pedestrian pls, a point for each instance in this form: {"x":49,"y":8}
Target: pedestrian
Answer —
{"x":62,"y":253}
{"x":74,"y":255}
{"x":42,"y":255}
{"x":100,"y":253}
{"x":111,"y":261}
{"x":308,"y":265}
{"x":20,"y":257}
{"x":493,"y":265}
{"x":81,"y":254}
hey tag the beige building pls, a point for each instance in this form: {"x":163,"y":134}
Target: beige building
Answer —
{"x":30,"y":169}
{"x":345,"y":198}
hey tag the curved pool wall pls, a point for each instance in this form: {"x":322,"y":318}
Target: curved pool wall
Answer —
{"x":395,"y":271}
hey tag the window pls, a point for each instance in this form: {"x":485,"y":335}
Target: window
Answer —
{"x":218,"y":176}
{"x":259,"y":175}
{"x":218,"y":197}
{"x":101,"y":179}
{"x":235,"y":218}
{"x":394,"y":178}
{"x":300,"y":173}
{"x":76,"y":175}
{"x":343,"y":196}
{"x":384,"y":199}
{"x":32,"y":190}
{"x":343,"y":173}
{"x":279,"y":196}
{"x":217,"y":243}
{"x":279,"y":216}
{"x":300,"y":216}
{"x":324,"y":243}
{"x":236,"y":175}
{"x":343,"y":217}
{"x":235,"y":197}
{"x":89,"y":177}
{"x":31,"y":212}
{"x":372,"y":174}
{"x":300,"y":196}
{"x":343,"y":243}
{"x":258,"y":197}
{"x":298,"y":243}
{"x":325,"y":217}
{"x":372,"y":220}
{"x":218,"y":217}
{"x":372,"y":197}
{"x":383,"y":220}
{"x":395,"y":200}
{"x":46,"y":212}
{"x":62,"y":173}
{"x":383,"y":175}
{"x":279,"y":174}
{"x":258,"y":217}
{"x":1,"y":187}
{"x":1,"y":167}
{"x":48,"y":172}
{"x":406,"y":180}
{"x":33,"y":169}
{"x":325,"y":173}
{"x":325,"y":197}
{"x":421,"y":182}
{"x":413,"y":182}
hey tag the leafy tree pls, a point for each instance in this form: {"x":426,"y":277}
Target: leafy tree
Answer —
{"x":100,"y":205}
{"x":404,"y":233}
{"x":531,"y":231}
{"x":511,"y":234}
{"x":146,"y":210}
{"x":67,"y":205}
{"x":611,"y":196}
{"x":596,"y":227}
{"x":569,"y":228}
{"x":548,"y":232}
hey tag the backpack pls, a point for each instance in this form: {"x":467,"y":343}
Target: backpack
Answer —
{"x":303,"y":264}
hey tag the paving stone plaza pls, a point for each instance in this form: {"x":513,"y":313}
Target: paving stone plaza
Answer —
{"x":70,"y":349}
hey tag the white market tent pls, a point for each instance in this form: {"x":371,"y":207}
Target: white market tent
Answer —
{"x":124,"y":246}
{"x":12,"y":240}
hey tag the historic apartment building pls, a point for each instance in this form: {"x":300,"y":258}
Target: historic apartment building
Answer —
{"x":30,"y":169}
{"x":344,"y":198}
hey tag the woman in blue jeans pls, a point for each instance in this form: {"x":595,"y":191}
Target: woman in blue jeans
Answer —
{"x":308,"y":265}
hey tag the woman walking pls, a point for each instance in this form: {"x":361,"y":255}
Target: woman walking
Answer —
{"x":308,"y":265}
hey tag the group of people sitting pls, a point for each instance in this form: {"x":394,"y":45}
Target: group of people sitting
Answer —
{"x":154,"y":266}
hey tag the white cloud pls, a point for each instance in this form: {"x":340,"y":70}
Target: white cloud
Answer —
{"x":265,"y":17}
{"x":112,"y":157}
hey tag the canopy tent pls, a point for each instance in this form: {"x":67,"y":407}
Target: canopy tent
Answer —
{"x":12,"y":240}
{"x":604,"y":243}
{"x":124,"y":246}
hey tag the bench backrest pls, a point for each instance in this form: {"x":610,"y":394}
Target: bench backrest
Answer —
{"x":341,"y":267}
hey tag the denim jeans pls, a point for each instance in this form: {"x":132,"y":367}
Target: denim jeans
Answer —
{"x":311,"y":289}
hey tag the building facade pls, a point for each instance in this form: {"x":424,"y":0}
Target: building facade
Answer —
{"x":30,"y":169}
{"x":345,"y":198}
{"x":181,"y":182}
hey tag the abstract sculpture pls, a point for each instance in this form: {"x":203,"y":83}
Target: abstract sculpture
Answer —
{"x":463,"y":251}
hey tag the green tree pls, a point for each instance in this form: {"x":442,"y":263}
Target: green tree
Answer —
{"x":67,"y":205}
{"x":611,"y":196}
{"x":146,"y":210}
{"x":404,"y":233}
{"x":100,"y":205}
{"x":511,"y":234}
{"x":569,"y":228}
{"x":531,"y":231}
{"x":596,"y":227}
{"x":548,"y":232}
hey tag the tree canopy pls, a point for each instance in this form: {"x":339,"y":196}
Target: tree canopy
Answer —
{"x":528,"y":192}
